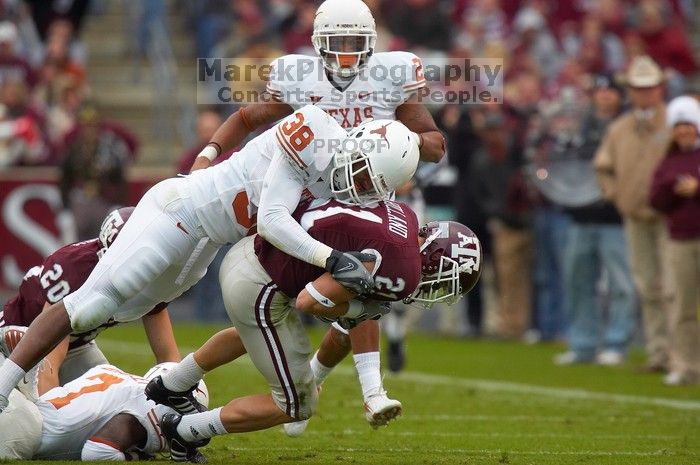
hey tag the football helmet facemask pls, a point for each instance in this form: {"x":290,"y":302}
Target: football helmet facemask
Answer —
{"x":451,"y":259}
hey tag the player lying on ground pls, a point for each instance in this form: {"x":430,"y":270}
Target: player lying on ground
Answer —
{"x":62,"y":272}
{"x":176,"y":229}
{"x":257,"y":281}
{"x":101,"y":415}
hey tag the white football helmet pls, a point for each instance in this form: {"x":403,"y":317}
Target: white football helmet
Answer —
{"x":201,"y":393}
{"x":377,"y":158}
{"x":344,"y":35}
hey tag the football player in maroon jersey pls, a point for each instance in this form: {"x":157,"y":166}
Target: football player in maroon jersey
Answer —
{"x":62,"y":272}
{"x":258,"y":282}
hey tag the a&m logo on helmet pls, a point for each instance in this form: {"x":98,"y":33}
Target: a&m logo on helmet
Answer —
{"x":467,"y":253}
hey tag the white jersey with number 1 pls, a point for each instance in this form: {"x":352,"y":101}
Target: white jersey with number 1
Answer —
{"x":226,"y":196}
{"x":75,"y":412}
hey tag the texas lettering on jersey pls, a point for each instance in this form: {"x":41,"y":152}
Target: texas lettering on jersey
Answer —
{"x":388,"y":81}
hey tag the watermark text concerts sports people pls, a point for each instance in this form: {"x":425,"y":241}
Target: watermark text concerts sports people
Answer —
{"x":448,"y":81}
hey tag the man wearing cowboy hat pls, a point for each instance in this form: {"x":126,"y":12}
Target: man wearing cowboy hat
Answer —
{"x":625,"y":162}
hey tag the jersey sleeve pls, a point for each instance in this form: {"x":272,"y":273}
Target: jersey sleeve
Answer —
{"x":414,"y":79}
{"x":307,"y":138}
{"x":284,"y":79}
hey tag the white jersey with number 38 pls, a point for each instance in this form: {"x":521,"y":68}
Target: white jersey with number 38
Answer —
{"x":225,"y":196}
{"x":75,"y":412}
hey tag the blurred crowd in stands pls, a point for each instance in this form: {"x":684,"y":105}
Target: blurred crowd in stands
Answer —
{"x":567,"y":75}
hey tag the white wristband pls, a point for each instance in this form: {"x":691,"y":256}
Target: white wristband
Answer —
{"x":209,"y":152}
{"x":320,"y":298}
{"x":355,"y":309}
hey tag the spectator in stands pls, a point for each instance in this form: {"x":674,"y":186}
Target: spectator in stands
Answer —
{"x":46,"y":12}
{"x":632,"y":148}
{"x":534,"y":40}
{"x":596,"y":250}
{"x":22,"y":137}
{"x":297,"y":37}
{"x":420,"y":23}
{"x":596,"y":50}
{"x":497,"y":185}
{"x":462,"y":144}
{"x":64,"y":99}
{"x":208,"y":122}
{"x":554,"y":138}
{"x":676,"y":193}
{"x":12,"y":66}
{"x":94,"y":161}
{"x":58,"y":56}
{"x":664,"y":38}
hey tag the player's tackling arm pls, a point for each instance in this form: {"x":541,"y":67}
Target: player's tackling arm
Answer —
{"x":416,"y":117}
{"x":159,"y":331}
{"x":282,"y":189}
{"x":237,"y":127}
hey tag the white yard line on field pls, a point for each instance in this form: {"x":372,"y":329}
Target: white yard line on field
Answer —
{"x":496,"y":452}
{"x":135,"y":348}
{"x":353,"y":432}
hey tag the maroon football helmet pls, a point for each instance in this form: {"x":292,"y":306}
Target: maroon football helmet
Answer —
{"x":451,"y":263}
{"x":112,"y":224}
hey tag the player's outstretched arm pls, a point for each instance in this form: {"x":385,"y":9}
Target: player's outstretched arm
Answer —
{"x":418,"y":119}
{"x":159,"y":331}
{"x":121,"y":433}
{"x":237,"y":127}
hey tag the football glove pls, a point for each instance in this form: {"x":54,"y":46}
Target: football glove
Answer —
{"x":348,"y":270}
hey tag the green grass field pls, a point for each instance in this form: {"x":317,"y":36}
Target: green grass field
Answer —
{"x":465,"y":402}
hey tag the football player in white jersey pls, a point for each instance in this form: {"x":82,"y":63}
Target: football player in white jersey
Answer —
{"x":178,"y":226}
{"x":102,"y":415}
{"x":352,"y":83}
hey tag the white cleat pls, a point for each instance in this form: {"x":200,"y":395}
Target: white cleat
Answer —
{"x":380,"y":410}
{"x":295,"y":428}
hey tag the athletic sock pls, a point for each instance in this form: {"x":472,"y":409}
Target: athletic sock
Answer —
{"x":320,"y":370}
{"x":10,"y":375}
{"x":201,"y":425}
{"x":368,"y":370}
{"x":184,"y":375}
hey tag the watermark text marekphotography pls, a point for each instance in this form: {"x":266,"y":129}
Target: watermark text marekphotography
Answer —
{"x":300,"y":80}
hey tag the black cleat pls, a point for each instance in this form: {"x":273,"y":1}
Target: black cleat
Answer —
{"x":182,"y":402}
{"x":180,"y":450}
{"x":397,"y":356}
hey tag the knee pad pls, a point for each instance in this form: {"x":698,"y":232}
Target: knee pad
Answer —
{"x":87,"y":312}
{"x":132,"y":276}
{"x":20,"y":428}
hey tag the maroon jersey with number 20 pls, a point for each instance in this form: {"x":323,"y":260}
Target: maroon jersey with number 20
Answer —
{"x":389,"y":230}
{"x":62,"y":272}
